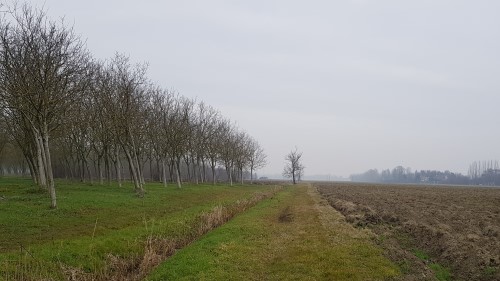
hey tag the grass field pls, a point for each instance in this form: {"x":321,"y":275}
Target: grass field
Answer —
{"x":101,"y":229}
{"x":293,"y":236}
{"x":199,"y":232}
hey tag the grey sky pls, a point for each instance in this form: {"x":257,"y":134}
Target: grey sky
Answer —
{"x":353,"y":84}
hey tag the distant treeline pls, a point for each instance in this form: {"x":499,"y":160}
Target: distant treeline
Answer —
{"x":480,"y":173}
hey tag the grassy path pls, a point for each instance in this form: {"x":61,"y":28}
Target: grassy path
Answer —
{"x":295,"y":235}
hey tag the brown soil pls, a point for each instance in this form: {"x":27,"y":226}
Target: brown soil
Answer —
{"x":458,"y":227}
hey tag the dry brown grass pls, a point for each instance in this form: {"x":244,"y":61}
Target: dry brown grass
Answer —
{"x":26,"y":269}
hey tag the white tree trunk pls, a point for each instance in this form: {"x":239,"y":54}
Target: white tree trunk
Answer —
{"x":203,"y":171}
{"x":164,"y":172}
{"x":213,"y":174}
{"x":48,"y":168}
{"x":178,"y":173}
{"x":230,"y":176}
{"x":118,"y":167}
{"x":42,"y":179}
{"x":134,"y":171}
{"x":195,"y":171}
{"x":251,"y":174}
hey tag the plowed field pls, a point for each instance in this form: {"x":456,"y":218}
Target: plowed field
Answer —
{"x":453,"y":230}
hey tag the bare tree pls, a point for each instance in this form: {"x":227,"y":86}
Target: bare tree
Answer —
{"x":19,"y":133}
{"x":200,"y":140}
{"x":293,"y":167}
{"x":100,"y":125}
{"x":159,"y":128}
{"x":127,"y":109}
{"x":41,"y":66}
{"x":257,"y":157}
{"x":241,"y":153}
{"x":208,"y":133}
{"x":104,"y":111}
{"x":180,"y":132}
{"x":214,"y":136}
{"x":3,"y":133}
{"x":227,"y":147}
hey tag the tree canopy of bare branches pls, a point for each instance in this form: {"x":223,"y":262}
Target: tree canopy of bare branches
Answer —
{"x":72,"y":116}
{"x":41,"y":68}
{"x":293,"y":166}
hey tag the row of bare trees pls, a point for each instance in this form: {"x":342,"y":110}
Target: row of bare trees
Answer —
{"x":479,"y":168}
{"x":104,"y":119}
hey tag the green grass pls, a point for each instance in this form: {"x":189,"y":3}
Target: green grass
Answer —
{"x":442,"y":273}
{"x":421,"y":254}
{"x":489,"y":271}
{"x":313,"y":243}
{"x":92,"y":222}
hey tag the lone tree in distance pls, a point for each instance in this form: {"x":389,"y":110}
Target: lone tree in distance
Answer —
{"x":293,"y":167}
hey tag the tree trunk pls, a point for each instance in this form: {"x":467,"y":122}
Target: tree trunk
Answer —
{"x":48,"y":168}
{"x":164,"y":172}
{"x":134,"y":173}
{"x":200,"y":170}
{"x":31,"y":164}
{"x":151,"y":176}
{"x":203,"y":171}
{"x":139,"y":167}
{"x":32,"y":170}
{"x":186,"y":160}
{"x":42,"y":180}
{"x":213,"y":173}
{"x":99,"y":170}
{"x":241,"y":172}
{"x":118,"y":168}
{"x":195,"y":171}
{"x":230,"y":176}
{"x":251,"y":174}
{"x":178,"y":172}
{"x":87,"y":167}
{"x":171,"y":169}
{"x":108,"y":169}
{"x":159,"y":168}
{"x":68,"y":171}
{"x":82,"y":170}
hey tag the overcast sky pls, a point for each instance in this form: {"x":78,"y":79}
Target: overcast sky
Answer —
{"x":353,"y":84}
